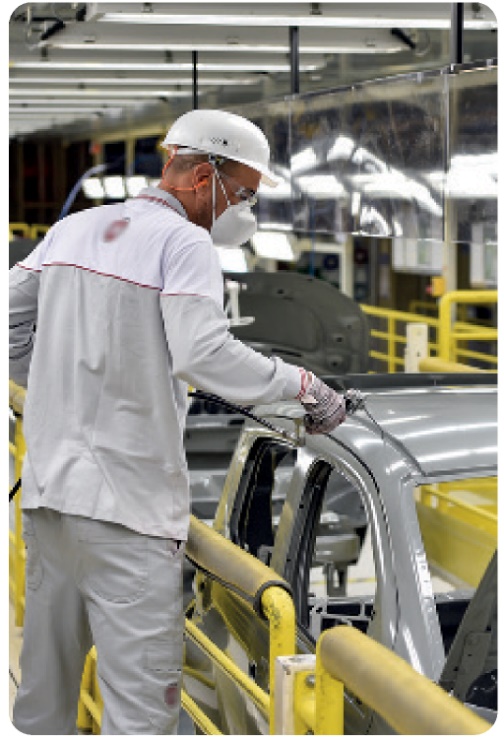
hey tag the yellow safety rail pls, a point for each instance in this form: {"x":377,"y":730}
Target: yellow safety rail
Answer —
{"x":90,"y":708}
{"x":254,"y":580}
{"x":391,"y":338}
{"x":453,"y":334}
{"x":38,"y":230}
{"x":448,"y":338}
{"x":437,"y":365}
{"x":417,"y":306}
{"x":17,"y":557}
{"x":408,"y":701}
{"x":32,"y":231}
{"x":20,"y":229}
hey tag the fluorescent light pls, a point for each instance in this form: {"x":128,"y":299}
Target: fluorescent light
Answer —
{"x":90,"y":92}
{"x":306,"y":21}
{"x":60,"y":109}
{"x":174,"y":46}
{"x":364,"y":46}
{"x":232,"y":259}
{"x":93,"y":188}
{"x":134,"y":184}
{"x":272,"y":245}
{"x":164,"y":66}
{"x":118,"y":81}
{"x":114,"y":186}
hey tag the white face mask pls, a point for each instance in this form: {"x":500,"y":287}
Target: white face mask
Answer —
{"x":235,"y":225}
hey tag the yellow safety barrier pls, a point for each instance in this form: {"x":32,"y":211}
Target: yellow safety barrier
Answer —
{"x":90,"y":708}
{"x":448,"y":339}
{"x":408,"y":701}
{"x":391,"y":339}
{"x":438,"y":365}
{"x":20,"y":229}
{"x":450,"y":333}
{"x":31,"y":231}
{"x":417,"y":306}
{"x":253,"y":579}
{"x":38,"y":230}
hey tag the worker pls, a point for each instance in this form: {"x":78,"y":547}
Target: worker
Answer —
{"x":112,"y":316}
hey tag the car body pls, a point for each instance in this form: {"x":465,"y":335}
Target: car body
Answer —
{"x":314,"y":510}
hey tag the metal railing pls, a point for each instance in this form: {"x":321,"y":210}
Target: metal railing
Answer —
{"x":449,"y":339}
{"x":269,"y":593}
{"x":31,"y":231}
{"x":388,"y":336}
{"x":454,"y":336}
{"x":408,"y":701}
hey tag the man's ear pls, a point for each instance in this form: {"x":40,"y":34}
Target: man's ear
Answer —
{"x":202,"y":174}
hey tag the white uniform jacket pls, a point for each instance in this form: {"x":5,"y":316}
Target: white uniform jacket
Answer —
{"x":113,"y":314}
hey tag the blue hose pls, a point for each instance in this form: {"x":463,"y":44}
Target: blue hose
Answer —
{"x":75,"y":190}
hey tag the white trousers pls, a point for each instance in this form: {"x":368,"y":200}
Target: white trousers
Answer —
{"x":90,"y":582}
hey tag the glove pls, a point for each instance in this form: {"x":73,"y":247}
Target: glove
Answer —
{"x":325,"y":408}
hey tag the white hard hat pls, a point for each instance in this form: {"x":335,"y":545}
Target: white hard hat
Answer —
{"x":225,"y":134}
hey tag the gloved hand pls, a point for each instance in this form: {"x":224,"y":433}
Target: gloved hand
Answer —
{"x":325,"y":408}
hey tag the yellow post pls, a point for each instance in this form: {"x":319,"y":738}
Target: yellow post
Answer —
{"x":279,"y":609}
{"x":304,"y":703}
{"x":329,"y":699}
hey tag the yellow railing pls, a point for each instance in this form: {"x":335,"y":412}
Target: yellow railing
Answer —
{"x":390,"y":332}
{"x":269,"y":593}
{"x":32,"y":231}
{"x":406,"y":700}
{"x":454,"y":335}
{"x":90,"y":708}
{"x":448,"y":338}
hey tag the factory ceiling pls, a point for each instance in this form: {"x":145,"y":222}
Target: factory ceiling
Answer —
{"x":78,"y":68}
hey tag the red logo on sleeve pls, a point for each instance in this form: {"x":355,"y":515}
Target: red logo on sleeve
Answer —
{"x":115,"y":229}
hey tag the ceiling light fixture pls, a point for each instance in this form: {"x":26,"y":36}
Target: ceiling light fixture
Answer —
{"x":119,"y":81}
{"x":93,"y":93}
{"x":307,"y":21}
{"x":161,"y":66}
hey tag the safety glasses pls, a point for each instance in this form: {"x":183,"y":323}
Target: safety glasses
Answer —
{"x":241,"y":193}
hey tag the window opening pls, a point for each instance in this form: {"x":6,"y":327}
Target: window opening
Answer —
{"x":261,"y":496}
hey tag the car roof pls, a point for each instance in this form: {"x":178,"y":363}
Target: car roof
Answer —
{"x":443,"y":429}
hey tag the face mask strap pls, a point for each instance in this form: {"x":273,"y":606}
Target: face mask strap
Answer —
{"x":169,"y":162}
{"x":217,"y":177}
